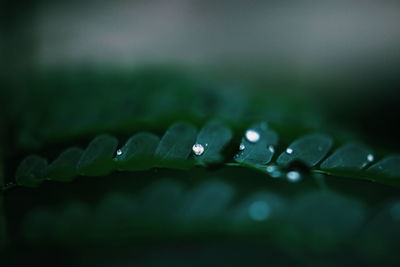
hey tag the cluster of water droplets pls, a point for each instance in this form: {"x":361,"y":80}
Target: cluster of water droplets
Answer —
{"x":276,"y":172}
{"x":253,"y":136}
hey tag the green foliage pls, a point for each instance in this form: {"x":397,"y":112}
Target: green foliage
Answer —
{"x":213,"y":138}
{"x":261,"y":151}
{"x":31,"y":171}
{"x":138,"y":152}
{"x":310,"y":149}
{"x":175,"y":146}
{"x":389,"y":166}
{"x":350,"y":156}
{"x":97,"y":159}
{"x":234,"y":186}
{"x":64,"y":168}
{"x":145,"y":151}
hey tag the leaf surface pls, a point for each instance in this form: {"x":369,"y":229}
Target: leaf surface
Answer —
{"x":138,"y":152}
{"x":213,"y":137}
{"x":64,"y":168}
{"x":350,"y":156}
{"x":259,"y":152}
{"x":97,"y":159}
{"x":175,"y":146}
{"x":309,"y":149}
{"x":31,"y":171}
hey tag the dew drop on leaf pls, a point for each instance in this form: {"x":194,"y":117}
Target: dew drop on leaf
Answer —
{"x":252,"y":136}
{"x":289,"y":150}
{"x":293,"y":176}
{"x":370,"y":157}
{"x":198,"y":149}
{"x":242,"y":147}
{"x":271,"y":168}
{"x":272,"y":149}
{"x":119,"y":152}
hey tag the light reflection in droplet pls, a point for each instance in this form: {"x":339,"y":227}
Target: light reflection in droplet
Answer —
{"x":293,"y":176}
{"x":198,"y":149}
{"x":370,"y":157}
{"x":289,"y":150}
{"x":271,"y":168}
{"x":252,"y":136}
{"x":119,"y":152}
{"x":271,"y":149}
{"x":259,"y":211}
{"x":242,"y":147}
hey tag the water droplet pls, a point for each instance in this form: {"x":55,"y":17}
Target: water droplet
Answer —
{"x":198,"y":149}
{"x":293,"y":176}
{"x":259,"y":211}
{"x":242,"y":147}
{"x":252,"y":136}
{"x":289,"y":150}
{"x":119,"y":152}
{"x":271,"y":168}
{"x":370,"y":157}
{"x":271,"y":149}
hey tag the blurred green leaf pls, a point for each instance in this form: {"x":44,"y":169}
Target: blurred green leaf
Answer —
{"x":97,"y":159}
{"x":175,"y":146}
{"x":64,"y":168}
{"x":31,"y":171}
{"x":389,"y":166}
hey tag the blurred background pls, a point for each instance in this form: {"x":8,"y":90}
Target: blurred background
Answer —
{"x":343,"y":54}
{"x":70,"y":70}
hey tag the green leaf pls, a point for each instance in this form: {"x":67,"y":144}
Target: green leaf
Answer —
{"x":175,"y":146}
{"x":309,"y":149}
{"x":64,"y":167}
{"x":213,"y":137}
{"x":350,"y":156}
{"x":31,"y":171}
{"x":138,"y":152}
{"x":97,"y":158}
{"x":389,"y":166}
{"x":261,"y":151}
